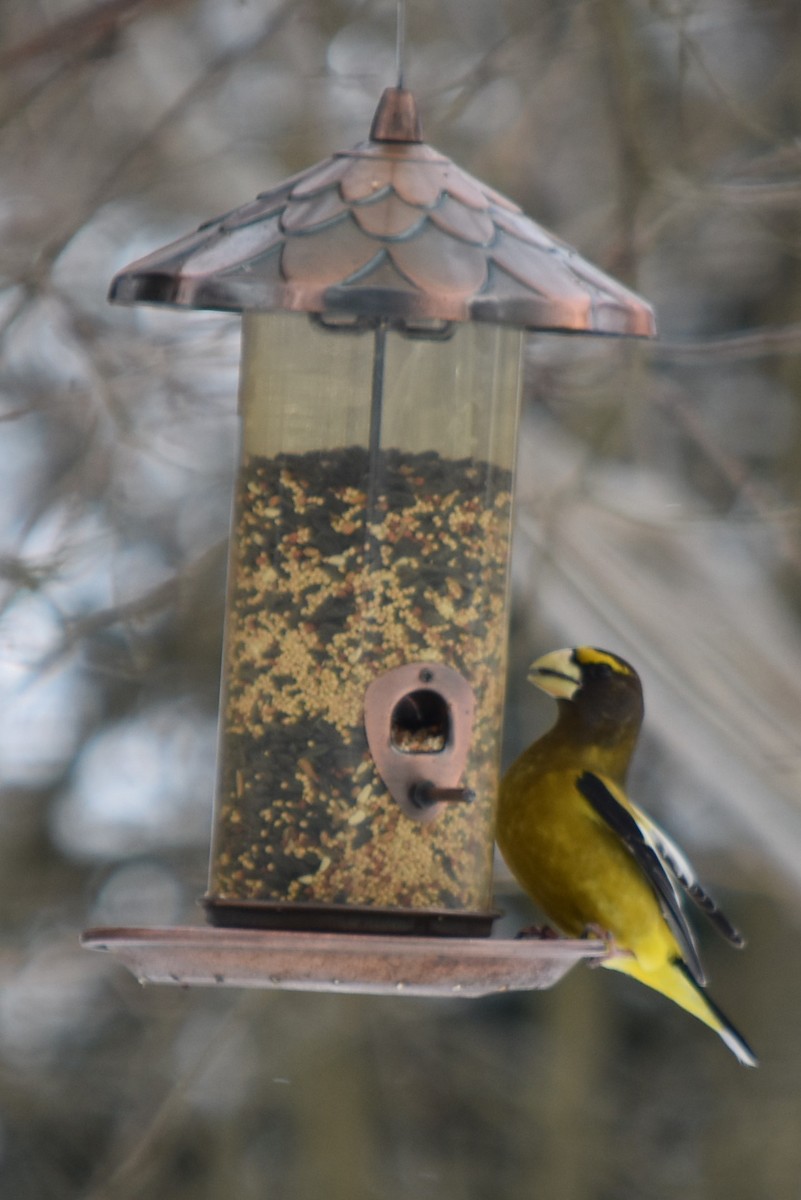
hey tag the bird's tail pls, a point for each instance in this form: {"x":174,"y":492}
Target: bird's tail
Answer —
{"x":674,"y":981}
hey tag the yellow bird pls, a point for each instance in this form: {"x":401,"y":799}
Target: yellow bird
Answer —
{"x":593,"y":861}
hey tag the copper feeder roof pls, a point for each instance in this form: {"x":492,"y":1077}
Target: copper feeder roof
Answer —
{"x":391,"y":228}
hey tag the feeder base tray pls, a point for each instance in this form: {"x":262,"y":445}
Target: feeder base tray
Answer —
{"x":194,"y":956}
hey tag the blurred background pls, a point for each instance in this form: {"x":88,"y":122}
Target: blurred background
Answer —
{"x":658,"y":515}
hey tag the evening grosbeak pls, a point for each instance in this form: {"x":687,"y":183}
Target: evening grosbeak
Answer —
{"x":593,"y":861}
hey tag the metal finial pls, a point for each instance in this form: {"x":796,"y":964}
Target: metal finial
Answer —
{"x":400,"y":43}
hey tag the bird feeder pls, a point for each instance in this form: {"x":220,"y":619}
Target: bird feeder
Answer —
{"x":385,"y":296}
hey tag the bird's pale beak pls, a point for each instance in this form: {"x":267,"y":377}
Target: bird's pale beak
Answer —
{"x":557,"y":674}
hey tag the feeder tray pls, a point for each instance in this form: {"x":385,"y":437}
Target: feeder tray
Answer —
{"x":368,"y":964}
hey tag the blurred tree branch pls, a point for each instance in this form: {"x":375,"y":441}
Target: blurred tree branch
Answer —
{"x":80,"y":34}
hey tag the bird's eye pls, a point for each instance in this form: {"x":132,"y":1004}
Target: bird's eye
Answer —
{"x":601,"y":670}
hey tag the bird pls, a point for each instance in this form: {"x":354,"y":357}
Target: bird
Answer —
{"x":595,"y":863}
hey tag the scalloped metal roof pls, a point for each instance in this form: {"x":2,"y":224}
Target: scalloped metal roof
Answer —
{"x":391,"y":229}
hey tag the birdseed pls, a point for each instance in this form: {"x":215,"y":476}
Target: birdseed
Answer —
{"x":321,"y":602}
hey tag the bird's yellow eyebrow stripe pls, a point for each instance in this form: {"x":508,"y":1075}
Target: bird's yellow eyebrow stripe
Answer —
{"x":588,"y":654}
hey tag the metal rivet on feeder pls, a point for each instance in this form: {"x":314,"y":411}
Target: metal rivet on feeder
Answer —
{"x":385,"y":294}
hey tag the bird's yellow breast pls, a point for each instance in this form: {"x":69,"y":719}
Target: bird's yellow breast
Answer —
{"x":565,"y":857}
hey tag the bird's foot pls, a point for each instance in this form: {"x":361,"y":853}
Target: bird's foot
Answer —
{"x":543,"y":933}
{"x":611,"y":948}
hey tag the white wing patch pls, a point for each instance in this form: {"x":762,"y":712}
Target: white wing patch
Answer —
{"x":681,"y":868}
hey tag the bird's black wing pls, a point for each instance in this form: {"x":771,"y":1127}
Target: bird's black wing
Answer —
{"x":679,"y":865}
{"x":621,"y":822}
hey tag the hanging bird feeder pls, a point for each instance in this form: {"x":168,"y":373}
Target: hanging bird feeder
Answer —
{"x":385,"y":296}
